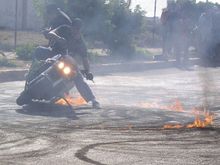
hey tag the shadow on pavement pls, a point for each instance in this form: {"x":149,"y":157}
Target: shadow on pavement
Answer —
{"x":215,"y":108}
{"x":56,"y":111}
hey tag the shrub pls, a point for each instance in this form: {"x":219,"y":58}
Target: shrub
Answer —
{"x":143,"y":53}
{"x":24,"y":52}
{"x":4,"y":62}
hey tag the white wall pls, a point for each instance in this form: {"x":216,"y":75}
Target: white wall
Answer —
{"x":7,"y":15}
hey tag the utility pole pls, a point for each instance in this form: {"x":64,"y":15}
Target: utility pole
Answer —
{"x":155,"y":8}
{"x":24,"y":14}
{"x":16,"y":20}
{"x":155,"y":11}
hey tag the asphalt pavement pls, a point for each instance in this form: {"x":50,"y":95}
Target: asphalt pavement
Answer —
{"x":128,"y":130}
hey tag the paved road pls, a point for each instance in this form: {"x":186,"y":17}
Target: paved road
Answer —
{"x":127,"y":130}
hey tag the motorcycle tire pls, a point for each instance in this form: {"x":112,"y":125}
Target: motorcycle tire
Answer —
{"x":23,"y":99}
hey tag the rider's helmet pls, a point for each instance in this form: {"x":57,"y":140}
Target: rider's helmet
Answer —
{"x":77,"y":23}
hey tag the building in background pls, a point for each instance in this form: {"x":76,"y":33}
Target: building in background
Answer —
{"x":27,"y":17}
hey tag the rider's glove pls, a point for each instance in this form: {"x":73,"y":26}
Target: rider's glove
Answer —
{"x":88,"y":75}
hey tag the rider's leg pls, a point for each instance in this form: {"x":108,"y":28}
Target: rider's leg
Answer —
{"x":85,"y":91}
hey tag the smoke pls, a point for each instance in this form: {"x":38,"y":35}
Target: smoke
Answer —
{"x":208,"y":86}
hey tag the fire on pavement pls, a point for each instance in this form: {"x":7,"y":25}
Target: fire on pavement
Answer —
{"x":203,"y":118}
{"x":72,"y":101}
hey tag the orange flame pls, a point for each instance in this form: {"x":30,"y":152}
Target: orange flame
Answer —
{"x":202,"y":120}
{"x":170,"y":126}
{"x":202,"y":117}
{"x":72,"y":101}
{"x":198,"y":123}
{"x":177,"y":106}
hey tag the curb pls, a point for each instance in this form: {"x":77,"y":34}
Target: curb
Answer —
{"x":18,"y":74}
{"x":137,"y":66}
{"x":12,"y":75}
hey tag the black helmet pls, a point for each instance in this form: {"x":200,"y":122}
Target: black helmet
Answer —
{"x":77,"y":22}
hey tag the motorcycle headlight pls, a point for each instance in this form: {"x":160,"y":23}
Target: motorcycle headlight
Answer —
{"x":66,"y":70}
{"x":61,"y":65}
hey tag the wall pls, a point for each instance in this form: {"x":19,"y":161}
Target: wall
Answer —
{"x":27,"y":18}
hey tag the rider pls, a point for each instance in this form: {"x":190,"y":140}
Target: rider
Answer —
{"x":69,"y":38}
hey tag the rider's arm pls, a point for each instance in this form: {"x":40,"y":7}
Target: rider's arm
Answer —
{"x":45,"y":33}
{"x":85,"y":62}
{"x":82,"y":50}
{"x":52,"y":35}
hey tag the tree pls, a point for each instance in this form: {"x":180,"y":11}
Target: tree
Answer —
{"x":109,"y":21}
{"x":124,"y":24}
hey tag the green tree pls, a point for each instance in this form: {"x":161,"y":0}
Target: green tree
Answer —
{"x":109,"y":21}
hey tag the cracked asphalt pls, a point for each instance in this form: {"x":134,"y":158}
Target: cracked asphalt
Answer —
{"x":125,"y":131}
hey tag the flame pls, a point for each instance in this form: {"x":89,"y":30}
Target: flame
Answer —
{"x":72,"y":101}
{"x":170,"y":126}
{"x":203,"y":118}
{"x":177,"y":106}
{"x":198,"y":123}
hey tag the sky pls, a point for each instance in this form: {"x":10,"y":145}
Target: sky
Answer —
{"x":148,"y":5}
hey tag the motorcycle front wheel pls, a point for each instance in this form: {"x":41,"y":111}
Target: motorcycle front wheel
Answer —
{"x":23,"y":99}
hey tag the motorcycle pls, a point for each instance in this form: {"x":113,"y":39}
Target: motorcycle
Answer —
{"x":48,"y":81}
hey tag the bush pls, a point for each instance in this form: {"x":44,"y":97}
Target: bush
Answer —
{"x":25,"y":52}
{"x":124,"y":50}
{"x":143,"y":53}
{"x":4,"y":62}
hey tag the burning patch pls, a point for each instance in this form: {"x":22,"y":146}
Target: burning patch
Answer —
{"x":199,"y":122}
{"x":176,"y":106}
{"x":72,"y":101}
{"x":203,"y":118}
